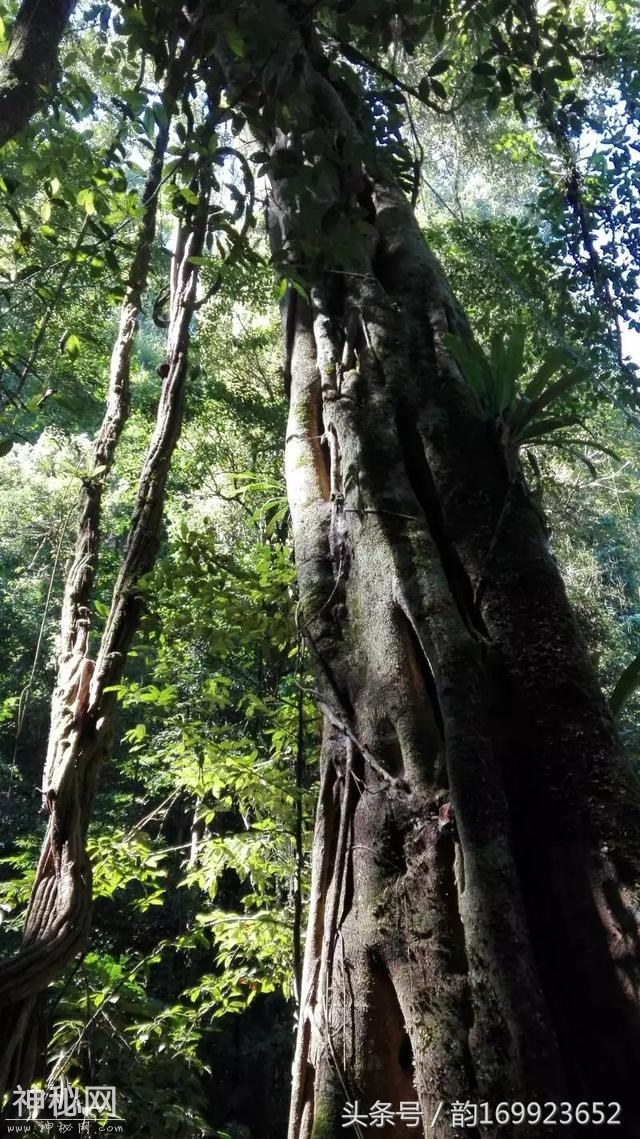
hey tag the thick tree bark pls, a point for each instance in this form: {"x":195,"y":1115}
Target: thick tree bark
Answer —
{"x":468,"y":929}
{"x":83,"y":703}
{"x":31,"y":63}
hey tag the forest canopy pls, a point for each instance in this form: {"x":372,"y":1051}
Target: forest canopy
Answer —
{"x":319,"y":585}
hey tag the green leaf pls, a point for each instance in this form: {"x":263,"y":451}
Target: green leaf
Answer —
{"x":299,"y":289}
{"x":440,"y":66}
{"x":580,"y":458}
{"x":514,"y":352}
{"x":625,"y":686}
{"x":236,"y":42}
{"x":160,"y":114}
{"x":506,"y":366}
{"x":532,"y":430}
{"x":474,"y":367}
{"x":72,"y":345}
{"x":85,"y":199}
{"x":483,"y":68}
{"x":148,"y":123}
{"x":5,"y":447}
{"x":189,"y":195}
{"x":505,"y":81}
{"x":513,"y":356}
{"x":553,"y":361}
{"x":551,"y":393}
{"x":439,"y":27}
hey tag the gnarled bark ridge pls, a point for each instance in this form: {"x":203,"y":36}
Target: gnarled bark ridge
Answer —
{"x":469,"y":933}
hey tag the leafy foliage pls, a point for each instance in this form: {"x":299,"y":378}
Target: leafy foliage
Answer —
{"x":495,"y":380}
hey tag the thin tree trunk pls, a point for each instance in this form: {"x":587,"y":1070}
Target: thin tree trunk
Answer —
{"x":31,"y":63}
{"x":469,"y":934}
{"x":58,"y":917}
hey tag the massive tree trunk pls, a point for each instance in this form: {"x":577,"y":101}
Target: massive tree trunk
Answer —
{"x":31,"y":63}
{"x":469,"y":932}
